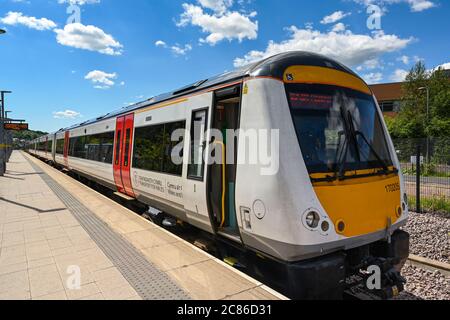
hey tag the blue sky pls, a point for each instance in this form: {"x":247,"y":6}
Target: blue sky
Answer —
{"x":62,"y":72}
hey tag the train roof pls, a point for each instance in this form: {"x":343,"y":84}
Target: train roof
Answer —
{"x":270,"y":67}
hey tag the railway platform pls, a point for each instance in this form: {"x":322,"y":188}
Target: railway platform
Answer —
{"x":60,"y":240}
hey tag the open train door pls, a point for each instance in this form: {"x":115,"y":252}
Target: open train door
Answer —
{"x":222,"y":176}
{"x":122,"y":154}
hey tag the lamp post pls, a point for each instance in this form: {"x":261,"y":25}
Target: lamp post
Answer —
{"x":427,"y":89}
{"x":3,"y":151}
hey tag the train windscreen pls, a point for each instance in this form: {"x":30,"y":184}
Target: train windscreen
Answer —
{"x":339,"y":129}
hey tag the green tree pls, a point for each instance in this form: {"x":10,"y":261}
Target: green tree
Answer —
{"x":28,"y":135}
{"x":413,"y":121}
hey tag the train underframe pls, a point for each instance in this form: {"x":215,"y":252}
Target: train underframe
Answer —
{"x":372,"y":271}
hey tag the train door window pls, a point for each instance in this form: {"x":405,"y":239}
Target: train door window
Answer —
{"x":198,"y":133}
{"x":127,"y":147}
{"x":118,"y":137}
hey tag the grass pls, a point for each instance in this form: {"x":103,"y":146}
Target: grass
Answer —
{"x":436,"y":204}
{"x":427,"y":170}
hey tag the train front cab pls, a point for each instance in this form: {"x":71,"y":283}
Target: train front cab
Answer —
{"x":336,"y":204}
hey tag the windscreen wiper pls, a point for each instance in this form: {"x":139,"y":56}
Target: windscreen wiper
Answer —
{"x":381,"y":161}
{"x":356,"y":133}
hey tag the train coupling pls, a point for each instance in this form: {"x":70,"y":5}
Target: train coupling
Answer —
{"x":391,"y":283}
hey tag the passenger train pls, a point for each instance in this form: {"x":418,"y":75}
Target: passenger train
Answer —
{"x":335,"y":205}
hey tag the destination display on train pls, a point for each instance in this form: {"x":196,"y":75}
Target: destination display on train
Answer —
{"x":310,"y":101}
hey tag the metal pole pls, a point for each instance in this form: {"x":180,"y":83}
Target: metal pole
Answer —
{"x":418,"y":173}
{"x":428,"y":123}
{"x":3,"y":142}
{"x":2,"y":137}
{"x":8,"y":139}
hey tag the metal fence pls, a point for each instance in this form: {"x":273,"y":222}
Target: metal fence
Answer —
{"x":426,"y":168}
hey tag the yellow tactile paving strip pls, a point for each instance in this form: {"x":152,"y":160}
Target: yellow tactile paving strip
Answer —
{"x":198,"y":273}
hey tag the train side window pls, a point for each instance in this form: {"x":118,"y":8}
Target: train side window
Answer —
{"x":148,"y":148}
{"x":198,"y":129}
{"x":154,"y":148}
{"x":59,"y":146}
{"x":106,"y":147}
{"x":118,"y":137}
{"x":49,"y":145}
{"x":80,"y":151}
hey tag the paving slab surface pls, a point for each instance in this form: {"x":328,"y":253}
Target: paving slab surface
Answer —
{"x":60,"y":240}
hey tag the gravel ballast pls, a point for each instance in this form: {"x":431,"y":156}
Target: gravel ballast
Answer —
{"x":424,"y":285}
{"x":430,"y":235}
{"x":430,"y":238}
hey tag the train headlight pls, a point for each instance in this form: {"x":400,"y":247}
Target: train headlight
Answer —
{"x":325,"y":226}
{"x":312,"y":219}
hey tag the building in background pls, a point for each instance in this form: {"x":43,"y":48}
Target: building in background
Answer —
{"x":389,"y":96}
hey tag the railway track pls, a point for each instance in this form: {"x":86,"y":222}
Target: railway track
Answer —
{"x":429,"y":264}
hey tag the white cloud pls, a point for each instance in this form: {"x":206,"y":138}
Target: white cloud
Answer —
{"x":415,"y":5}
{"x":101,"y":79}
{"x":347,"y":47}
{"x":373,"y":77}
{"x":89,"y":38}
{"x":334,"y":17}
{"x":404,"y":59}
{"x":339,"y":27}
{"x":79,"y":2}
{"x":370,"y":64}
{"x":181,"y":51}
{"x":228,"y":25}
{"x":17,"y":18}
{"x":67,"y":114}
{"x":219,"y":6}
{"x":160,"y":43}
{"x":420,"y":5}
{"x":399,"y":75}
{"x":176,"y":49}
{"x":445,"y":66}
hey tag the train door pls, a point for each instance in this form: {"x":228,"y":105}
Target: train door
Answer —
{"x":195,"y":187}
{"x":66,"y":148}
{"x":122,"y":154}
{"x":222,"y":176}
